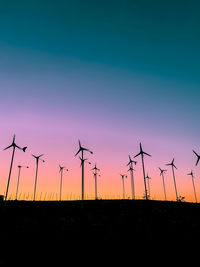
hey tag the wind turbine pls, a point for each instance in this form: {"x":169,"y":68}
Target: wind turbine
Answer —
{"x":148,"y":178}
{"x":142,"y":153}
{"x":19,"y":172}
{"x":173,"y":166}
{"x":62,"y":168}
{"x":95,"y":169}
{"x":162,"y":174}
{"x":123,"y":175}
{"x":38,"y":158}
{"x":192,"y":175}
{"x":130,"y":164}
{"x":81,"y":150}
{"x":11,"y":164}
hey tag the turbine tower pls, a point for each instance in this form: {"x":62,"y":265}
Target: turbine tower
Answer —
{"x":130,"y":164}
{"x":19,"y":172}
{"x":148,"y":178}
{"x":123,"y":175}
{"x":95,"y":169}
{"x":81,"y":150}
{"x":14,"y":146}
{"x":142,"y":153}
{"x":192,"y":175}
{"x":38,"y":158}
{"x":62,"y":168}
{"x":162,"y":174}
{"x":175,"y":187}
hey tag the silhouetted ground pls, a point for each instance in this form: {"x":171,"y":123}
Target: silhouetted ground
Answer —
{"x":47,"y":232}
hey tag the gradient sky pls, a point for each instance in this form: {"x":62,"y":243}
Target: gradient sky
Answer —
{"x":110,"y":73}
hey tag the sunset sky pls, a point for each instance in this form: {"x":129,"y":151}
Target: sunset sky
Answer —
{"x":110,"y":73}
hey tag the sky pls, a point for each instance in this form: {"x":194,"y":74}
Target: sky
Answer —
{"x":110,"y":73}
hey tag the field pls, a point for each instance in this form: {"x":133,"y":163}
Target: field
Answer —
{"x":56,"y":231}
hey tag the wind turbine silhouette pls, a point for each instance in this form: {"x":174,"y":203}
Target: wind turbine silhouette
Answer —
{"x":173,"y":166}
{"x":38,"y":158}
{"x":198,"y":157}
{"x":130,"y":164}
{"x":123,"y":175}
{"x":19,"y":172}
{"x":148,"y":178}
{"x":142,"y":153}
{"x":62,"y":168}
{"x":95,"y":169}
{"x":192,"y":175}
{"x":162,"y":174}
{"x":11,"y":164}
{"x":81,"y":150}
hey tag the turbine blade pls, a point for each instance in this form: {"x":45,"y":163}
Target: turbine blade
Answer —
{"x":8,"y":147}
{"x":77,"y":152}
{"x":138,"y":155}
{"x":195,"y":153}
{"x":146,"y":154}
{"x":197,"y":160}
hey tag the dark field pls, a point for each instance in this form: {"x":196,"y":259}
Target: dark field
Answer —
{"x":47,"y":232}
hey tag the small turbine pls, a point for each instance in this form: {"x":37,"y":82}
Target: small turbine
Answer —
{"x":123,"y":176}
{"x":162,"y":174}
{"x":95,"y":169}
{"x":192,"y":175}
{"x":19,"y":172}
{"x":38,"y":158}
{"x":62,"y":168}
{"x":130,"y":164}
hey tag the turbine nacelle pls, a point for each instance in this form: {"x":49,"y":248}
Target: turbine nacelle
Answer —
{"x":162,"y":171}
{"x":172,"y":164}
{"x":82,"y":149}
{"x":131,"y":161}
{"x":14,"y":145}
{"x":142,"y":152}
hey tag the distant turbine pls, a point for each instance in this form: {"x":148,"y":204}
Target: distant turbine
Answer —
{"x":142,"y":153}
{"x":61,"y":177}
{"x":162,"y":174}
{"x":11,"y":164}
{"x":130,"y":164}
{"x":148,"y":178}
{"x":173,"y":166}
{"x":123,"y":175}
{"x":95,"y":169}
{"x":82,"y":149}
{"x":198,"y":157}
{"x":36,"y":173}
{"x":192,"y":175}
{"x":19,"y":172}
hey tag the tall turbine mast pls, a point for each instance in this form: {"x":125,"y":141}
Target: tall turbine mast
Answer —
{"x":162,"y":174}
{"x":130,"y":164}
{"x":14,"y":146}
{"x":81,"y":150}
{"x":192,"y":175}
{"x":175,"y":187}
{"x":19,"y":172}
{"x":38,"y":158}
{"x":62,"y":168}
{"x":142,"y":153}
{"x":95,"y":169}
{"x":123,"y":187}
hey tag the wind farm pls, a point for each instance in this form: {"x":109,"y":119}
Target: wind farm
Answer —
{"x":100,"y":145}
